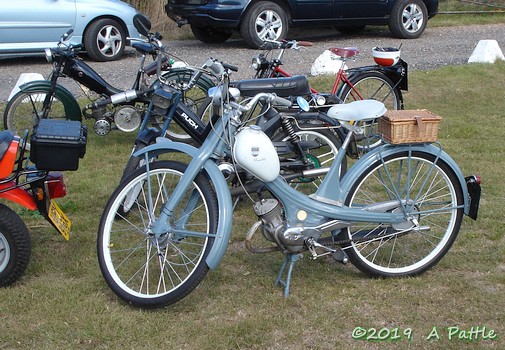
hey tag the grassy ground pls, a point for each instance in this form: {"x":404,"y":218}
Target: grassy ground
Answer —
{"x":63,"y":302}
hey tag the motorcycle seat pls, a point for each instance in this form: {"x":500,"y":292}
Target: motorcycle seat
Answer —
{"x":283,"y":87}
{"x":6,"y":138}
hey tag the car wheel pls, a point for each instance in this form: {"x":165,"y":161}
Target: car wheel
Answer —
{"x":408,"y":19}
{"x":105,"y":40}
{"x":264,"y":21}
{"x":210,"y":35}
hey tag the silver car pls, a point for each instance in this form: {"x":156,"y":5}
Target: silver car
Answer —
{"x":27,"y":27}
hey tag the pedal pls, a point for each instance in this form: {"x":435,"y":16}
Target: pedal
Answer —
{"x":340,"y":256}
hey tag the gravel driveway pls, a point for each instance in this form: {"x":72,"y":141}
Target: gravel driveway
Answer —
{"x":436,"y":47}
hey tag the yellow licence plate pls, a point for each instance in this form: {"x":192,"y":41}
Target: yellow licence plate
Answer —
{"x":59,"y":220}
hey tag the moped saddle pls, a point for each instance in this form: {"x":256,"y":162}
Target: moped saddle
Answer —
{"x":283,"y":87}
{"x":6,"y":137}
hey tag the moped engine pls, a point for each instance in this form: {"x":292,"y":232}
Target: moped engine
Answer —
{"x":274,"y":229}
{"x":127,"y":118}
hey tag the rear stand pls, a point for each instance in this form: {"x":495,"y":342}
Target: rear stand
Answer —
{"x":291,"y":258}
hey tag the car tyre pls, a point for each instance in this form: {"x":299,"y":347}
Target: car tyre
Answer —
{"x":264,"y":20}
{"x":210,"y":35}
{"x":408,"y":19}
{"x":105,"y":40}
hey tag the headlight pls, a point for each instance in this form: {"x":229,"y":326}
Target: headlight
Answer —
{"x":259,"y":62}
{"x":49,"y":55}
{"x":256,"y":63}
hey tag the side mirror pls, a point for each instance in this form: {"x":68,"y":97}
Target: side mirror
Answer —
{"x":142,"y":24}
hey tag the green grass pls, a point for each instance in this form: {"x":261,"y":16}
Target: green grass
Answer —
{"x":63,"y":302}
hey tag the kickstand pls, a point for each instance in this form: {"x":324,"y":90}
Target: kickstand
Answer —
{"x":292,"y":258}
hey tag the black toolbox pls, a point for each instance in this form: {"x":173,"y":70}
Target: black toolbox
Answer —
{"x":58,"y":144}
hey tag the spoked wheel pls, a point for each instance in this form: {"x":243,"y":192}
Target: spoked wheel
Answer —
{"x":322,"y":149}
{"x":15,"y":246}
{"x":144,"y":270}
{"x":427,"y":192}
{"x":25,"y":109}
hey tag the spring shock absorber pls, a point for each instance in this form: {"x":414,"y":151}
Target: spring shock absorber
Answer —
{"x":295,"y":140}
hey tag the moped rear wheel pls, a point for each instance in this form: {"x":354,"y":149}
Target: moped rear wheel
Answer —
{"x":15,"y":246}
{"x":152,"y":272}
{"x":25,"y":109}
{"x":428,"y":192}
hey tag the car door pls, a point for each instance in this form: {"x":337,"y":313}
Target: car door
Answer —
{"x":308,"y":10}
{"x":28,"y":25}
{"x":361,"y":8}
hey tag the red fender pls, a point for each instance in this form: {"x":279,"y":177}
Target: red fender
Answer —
{"x":18,"y":195}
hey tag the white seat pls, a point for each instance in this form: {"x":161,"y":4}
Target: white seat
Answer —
{"x":362,"y":110}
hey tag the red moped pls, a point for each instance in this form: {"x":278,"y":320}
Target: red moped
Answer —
{"x":32,"y":186}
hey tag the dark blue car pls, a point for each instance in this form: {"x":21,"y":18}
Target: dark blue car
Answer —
{"x":214,"y":21}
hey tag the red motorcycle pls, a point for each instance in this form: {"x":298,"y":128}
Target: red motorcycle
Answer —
{"x":34,"y":181}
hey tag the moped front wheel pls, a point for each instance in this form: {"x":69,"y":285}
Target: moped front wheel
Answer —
{"x":15,"y":246}
{"x":25,"y":109}
{"x":428,"y":192}
{"x":149,"y":271}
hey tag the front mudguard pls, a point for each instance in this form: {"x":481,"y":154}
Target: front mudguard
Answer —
{"x":384,"y":151}
{"x":216,"y":178}
{"x":72,"y":109}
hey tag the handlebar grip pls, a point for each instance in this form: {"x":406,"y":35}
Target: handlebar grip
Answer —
{"x":230,"y":67}
{"x":280,"y":101}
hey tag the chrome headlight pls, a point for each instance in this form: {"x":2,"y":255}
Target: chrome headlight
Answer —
{"x":259,"y":63}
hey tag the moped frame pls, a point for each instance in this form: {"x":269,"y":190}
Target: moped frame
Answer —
{"x":326,"y":205}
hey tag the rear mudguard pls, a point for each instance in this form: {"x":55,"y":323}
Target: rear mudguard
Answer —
{"x":72,"y":109}
{"x":217,"y":179}
{"x":398,"y":73}
{"x":18,"y":195}
{"x":382,"y":152}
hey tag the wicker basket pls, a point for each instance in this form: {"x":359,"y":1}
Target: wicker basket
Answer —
{"x":409,"y":126}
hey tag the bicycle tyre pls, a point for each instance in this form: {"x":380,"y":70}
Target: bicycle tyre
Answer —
{"x":432,"y":197}
{"x":149,"y":273}
{"x":133,"y":163}
{"x":371,"y":85}
{"x":15,"y":246}
{"x":24,"y":109}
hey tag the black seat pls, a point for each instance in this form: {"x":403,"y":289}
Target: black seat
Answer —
{"x":6,"y":137}
{"x":283,"y":87}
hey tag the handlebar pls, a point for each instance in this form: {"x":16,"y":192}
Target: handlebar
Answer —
{"x":268,"y":97}
{"x":286,"y":44}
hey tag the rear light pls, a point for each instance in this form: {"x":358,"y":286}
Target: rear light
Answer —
{"x":55,"y":185}
{"x":475,"y":179}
